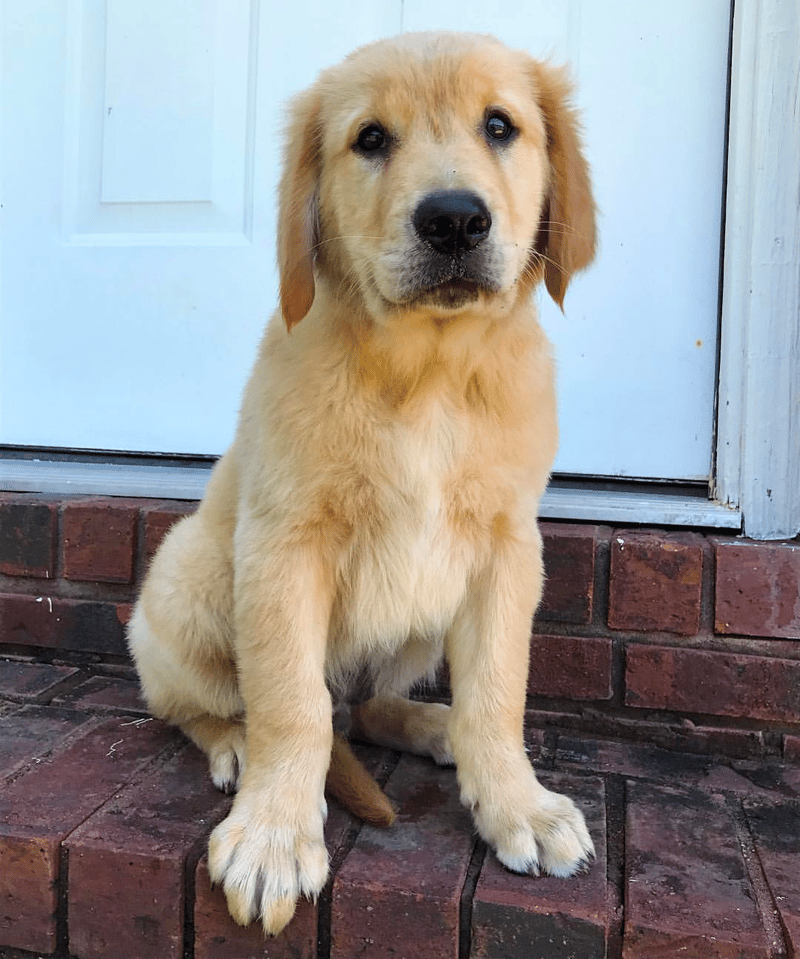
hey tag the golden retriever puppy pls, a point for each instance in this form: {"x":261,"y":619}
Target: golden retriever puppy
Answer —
{"x":378,"y":506}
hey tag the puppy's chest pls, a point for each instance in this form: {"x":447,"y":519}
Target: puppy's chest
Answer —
{"x":408,"y":561}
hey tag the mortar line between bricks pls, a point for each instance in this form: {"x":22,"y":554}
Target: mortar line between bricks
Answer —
{"x":325,"y":901}
{"x":62,"y":688}
{"x":618,"y":647}
{"x":139,"y":558}
{"x":465,"y":901}
{"x":189,"y":893}
{"x":616,"y":798}
{"x":58,"y":545}
{"x":708,"y":588}
{"x":776,"y":942}
{"x":62,"y":901}
{"x":602,"y":581}
{"x":546,"y":759}
{"x":387,"y":767}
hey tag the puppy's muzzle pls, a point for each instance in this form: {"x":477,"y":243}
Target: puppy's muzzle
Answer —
{"x":455,"y":260}
{"x":453,"y":222}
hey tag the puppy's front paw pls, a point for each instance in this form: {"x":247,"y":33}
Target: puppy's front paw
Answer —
{"x":542,"y":832}
{"x":264,"y":863}
{"x":551,"y":838}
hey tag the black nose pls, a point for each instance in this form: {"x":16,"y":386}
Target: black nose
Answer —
{"x":453,"y":221}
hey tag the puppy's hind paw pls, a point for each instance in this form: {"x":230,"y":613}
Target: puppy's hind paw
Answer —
{"x":226,"y":759}
{"x":223,"y":741}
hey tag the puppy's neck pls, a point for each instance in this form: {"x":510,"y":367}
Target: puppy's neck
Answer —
{"x":411,"y":355}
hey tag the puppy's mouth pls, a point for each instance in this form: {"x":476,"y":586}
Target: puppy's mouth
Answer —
{"x":450,"y":294}
{"x":450,"y":285}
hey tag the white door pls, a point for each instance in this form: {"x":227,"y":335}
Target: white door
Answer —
{"x":140,"y":156}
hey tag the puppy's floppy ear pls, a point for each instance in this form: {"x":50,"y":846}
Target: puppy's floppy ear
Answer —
{"x":297,"y":207}
{"x":567,"y":235}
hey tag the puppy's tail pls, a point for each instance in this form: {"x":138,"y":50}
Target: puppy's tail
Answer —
{"x":350,"y":783}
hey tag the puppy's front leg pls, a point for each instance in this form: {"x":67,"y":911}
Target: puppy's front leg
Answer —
{"x":270,"y":849}
{"x":530,"y":828}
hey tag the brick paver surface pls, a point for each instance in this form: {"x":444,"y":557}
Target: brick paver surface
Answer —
{"x":686,"y":877}
{"x":104,"y":817}
{"x":46,"y":803}
{"x":142,"y":841}
{"x":547,"y":918}
{"x":398,"y":892}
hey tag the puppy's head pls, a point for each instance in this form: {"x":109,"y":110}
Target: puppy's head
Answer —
{"x":434,"y":173}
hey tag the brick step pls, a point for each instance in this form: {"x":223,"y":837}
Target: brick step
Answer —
{"x":104,"y":816}
{"x":692,"y":637}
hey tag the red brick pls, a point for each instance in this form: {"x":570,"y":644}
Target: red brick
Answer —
{"x":20,"y":680}
{"x":723,"y":684}
{"x":570,"y":667}
{"x":656,"y":582}
{"x":66,"y":624}
{"x":632,"y":760}
{"x":747,"y":778}
{"x":106,"y":692}
{"x":217,"y":936}
{"x":517,"y":917}
{"x":157,"y":522}
{"x":27,"y":537}
{"x":32,"y":731}
{"x":687,"y":889}
{"x":569,"y":553}
{"x":41,"y":808}
{"x":758,"y":589}
{"x":680,"y":734}
{"x":99,"y":541}
{"x":709,"y":740}
{"x":776,"y":831}
{"x":791,"y":749}
{"x":127,"y":862}
{"x":398,"y":891}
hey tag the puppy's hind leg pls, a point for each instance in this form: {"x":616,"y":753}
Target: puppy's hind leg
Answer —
{"x":390,"y":719}
{"x":201,"y":699}
{"x":405,"y":725}
{"x":179,"y":637}
{"x":223,"y":741}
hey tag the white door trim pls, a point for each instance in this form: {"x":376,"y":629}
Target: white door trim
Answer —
{"x":189,"y":483}
{"x":758,"y":437}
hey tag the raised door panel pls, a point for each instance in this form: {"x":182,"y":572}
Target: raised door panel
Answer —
{"x":141,"y":154}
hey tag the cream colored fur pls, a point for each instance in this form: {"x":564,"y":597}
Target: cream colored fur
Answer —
{"x":378,"y":504}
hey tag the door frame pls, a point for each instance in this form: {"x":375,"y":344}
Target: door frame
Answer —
{"x":758,"y":428}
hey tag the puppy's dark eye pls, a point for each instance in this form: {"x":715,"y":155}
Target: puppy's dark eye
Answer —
{"x":498,"y":126}
{"x":372,"y":138}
